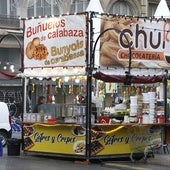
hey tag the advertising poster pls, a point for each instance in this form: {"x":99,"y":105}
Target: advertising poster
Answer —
{"x":105,"y":140}
{"x":149,"y":40}
{"x":55,"y":41}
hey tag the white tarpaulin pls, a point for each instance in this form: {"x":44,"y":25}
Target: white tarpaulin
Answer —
{"x":162,"y":10}
{"x":95,"y":6}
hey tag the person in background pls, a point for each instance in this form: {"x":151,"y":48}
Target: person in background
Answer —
{"x":41,"y":100}
{"x":94,"y":112}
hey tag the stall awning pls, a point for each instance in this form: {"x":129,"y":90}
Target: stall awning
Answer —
{"x":53,"y":72}
{"x":135,"y":79}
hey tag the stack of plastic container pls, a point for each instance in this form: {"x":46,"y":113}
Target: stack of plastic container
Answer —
{"x":133,"y":109}
{"x":152,"y":103}
{"x":149,"y":103}
{"x":145,"y":103}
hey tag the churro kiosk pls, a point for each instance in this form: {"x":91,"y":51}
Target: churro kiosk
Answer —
{"x":126,"y":51}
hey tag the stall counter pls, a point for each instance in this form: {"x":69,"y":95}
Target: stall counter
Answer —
{"x":107,"y":140}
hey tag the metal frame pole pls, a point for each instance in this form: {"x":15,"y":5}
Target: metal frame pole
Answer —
{"x":89,"y":70}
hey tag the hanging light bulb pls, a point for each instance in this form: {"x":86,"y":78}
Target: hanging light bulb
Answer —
{"x":5,"y":67}
{"x":40,"y":78}
{"x":12,"y":70}
{"x":77,"y":80}
{"x":11,"y":67}
{"x":54,"y":78}
{"x":66,"y":79}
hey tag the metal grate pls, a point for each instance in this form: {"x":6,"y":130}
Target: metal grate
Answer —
{"x":13,"y":98}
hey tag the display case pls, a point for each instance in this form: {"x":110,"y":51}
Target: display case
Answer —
{"x":62,"y":113}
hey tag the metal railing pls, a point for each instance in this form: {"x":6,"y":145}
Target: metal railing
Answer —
{"x":9,"y":22}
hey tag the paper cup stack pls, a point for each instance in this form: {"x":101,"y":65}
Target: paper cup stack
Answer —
{"x":149,"y":102}
{"x":133,"y":106}
{"x":140,"y":104}
{"x":145,"y":103}
{"x":152,"y":101}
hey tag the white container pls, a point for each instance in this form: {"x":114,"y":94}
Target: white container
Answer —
{"x":133,"y":105}
{"x":25,"y":115}
{"x":33,"y":117}
{"x":159,"y":113}
{"x":126,"y":119}
{"x":49,"y":116}
{"x":145,"y":97}
{"x":133,"y":110}
{"x":45,"y":118}
{"x":161,"y":93}
{"x":133,"y":114}
{"x":28,"y":117}
{"x":152,"y":101}
{"x":152,"y":106}
{"x":145,"y":111}
{"x":133,"y":119}
{"x":152,"y":111}
{"x":152,"y":95}
{"x":133,"y":100}
{"x":38,"y":117}
{"x":151,"y":118}
{"x":145,"y":119}
{"x":145,"y":106}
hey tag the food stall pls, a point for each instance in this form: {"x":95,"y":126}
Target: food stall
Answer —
{"x":57,"y":47}
{"x":138,"y":60}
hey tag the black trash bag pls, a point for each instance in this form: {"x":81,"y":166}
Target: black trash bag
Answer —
{"x":13,"y":147}
{"x":13,"y":141}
